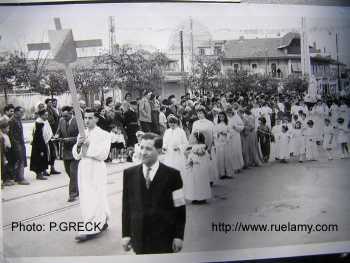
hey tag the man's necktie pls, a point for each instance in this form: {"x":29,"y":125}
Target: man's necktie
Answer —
{"x":147,"y":177}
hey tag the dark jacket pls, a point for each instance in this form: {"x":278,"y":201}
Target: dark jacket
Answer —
{"x":103,"y":123}
{"x":72,"y":133}
{"x":149,"y":216}
{"x":39,"y":160}
{"x":17,"y":140}
{"x":131,"y":126}
{"x":53,"y":119}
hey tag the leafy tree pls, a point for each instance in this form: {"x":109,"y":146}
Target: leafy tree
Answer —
{"x":135,"y":70}
{"x":296,"y":84}
{"x":240,"y":81}
{"x":13,"y":72}
{"x":266,"y":84}
{"x":205,"y":73}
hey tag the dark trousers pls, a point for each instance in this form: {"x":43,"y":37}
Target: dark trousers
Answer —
{"x":265,"y":150}
{"x":146,"y":126}
{"x":131,"y":130}
{"x":71,"y":167}
{"x":19,"y":171}
{"x":53,"y":155}
{"x":7,"y":172}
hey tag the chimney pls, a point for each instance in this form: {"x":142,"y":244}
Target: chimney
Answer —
{"x":314,"y":45}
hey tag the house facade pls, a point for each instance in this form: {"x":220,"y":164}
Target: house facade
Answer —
{"x":278,"y":57}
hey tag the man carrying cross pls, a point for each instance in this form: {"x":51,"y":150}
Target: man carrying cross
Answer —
{"x":92,"y":150}
{"x":93,"y":144}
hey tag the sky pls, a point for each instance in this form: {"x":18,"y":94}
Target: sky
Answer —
{"x":152,"y":24}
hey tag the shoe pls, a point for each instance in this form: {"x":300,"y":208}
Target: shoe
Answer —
{"x":53,"y":171}
{"x":105,"y":226}
{"x":85,"y":237}
{"x":46,"y":173}
{"x":41,"y":177}
{"x":71,"y":199}
{"x":8,"y":183}
{"x":23,"y":182}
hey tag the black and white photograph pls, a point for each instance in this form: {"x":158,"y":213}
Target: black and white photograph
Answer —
{"x":175,"y":131}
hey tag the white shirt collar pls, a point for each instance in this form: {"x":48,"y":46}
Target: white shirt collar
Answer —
{"x":152,"y":173}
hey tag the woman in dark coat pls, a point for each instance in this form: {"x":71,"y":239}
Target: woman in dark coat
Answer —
{"x":39,"y":157}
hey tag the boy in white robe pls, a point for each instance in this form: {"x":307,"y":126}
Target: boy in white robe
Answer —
{"x":92,"y":150}
{"x":311,"y":137}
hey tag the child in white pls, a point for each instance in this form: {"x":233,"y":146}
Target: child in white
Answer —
{"x":328,"y":138}
{"x":136,"y":158}
{"x":117,"y":136}
{"x":118,"y":142}
{"x":297,"y":143}
{"x":162,"y":120}
{"x":174,"y":145}
{"x":342,"y":137}
{"x":198,"y":172}
{"x":311,"y":137}
{"x":276,"y":130}
{"x":283,"y":151}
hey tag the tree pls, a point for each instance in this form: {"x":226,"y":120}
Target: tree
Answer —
{"x":13,"y":72}
{"x":296,"y":84}
{"x":267,"y":84}
{"x":240,"y":81}
{"x":206,"y":71}
{"x":135,"y":70}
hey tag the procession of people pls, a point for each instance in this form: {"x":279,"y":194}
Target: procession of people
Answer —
{"x":201,"y":139}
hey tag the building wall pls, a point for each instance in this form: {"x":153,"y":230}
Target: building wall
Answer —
{"x":261,"y":65}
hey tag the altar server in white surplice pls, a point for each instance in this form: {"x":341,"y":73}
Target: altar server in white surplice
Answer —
{"x":92,"y":151}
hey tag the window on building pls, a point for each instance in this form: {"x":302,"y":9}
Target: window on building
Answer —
{"x":201,"y":51}
{"x":217,"y":50}
{"x":279,"y":73}
{"x":235,"y":68}
{"x":254,"y":66}
{"x":273,"y":70}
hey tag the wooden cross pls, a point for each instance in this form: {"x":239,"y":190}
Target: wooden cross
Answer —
{"x":63,"y":48}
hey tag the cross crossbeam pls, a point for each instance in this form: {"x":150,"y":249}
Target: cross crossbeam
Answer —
{"x":63,"y":48}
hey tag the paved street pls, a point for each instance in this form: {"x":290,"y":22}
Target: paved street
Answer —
{"x":312,"y":193}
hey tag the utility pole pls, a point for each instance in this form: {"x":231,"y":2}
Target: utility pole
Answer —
{"x":182,"y":59}
{"x":192,"y":55}
{"x":338,"y":68}
{"x":304,"y":46}
{"x":112,"y":37}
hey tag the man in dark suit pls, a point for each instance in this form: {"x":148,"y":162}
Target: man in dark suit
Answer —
{"x":18,"y":145}
{"x":131,"y":123}
{"x":53,"y":120}
{"x":154,"y":212}
{"x":68,"y":132}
